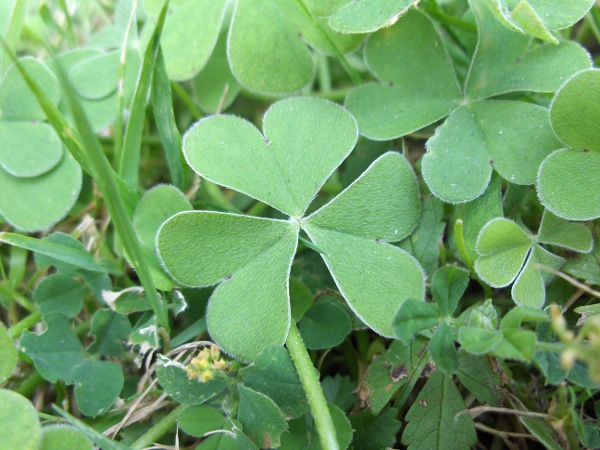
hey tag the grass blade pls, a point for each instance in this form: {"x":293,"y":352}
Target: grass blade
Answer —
{"x":165,"y":122}
{"x":61,"y":252}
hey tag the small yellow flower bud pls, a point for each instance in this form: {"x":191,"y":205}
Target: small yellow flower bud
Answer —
{"x":567,"y":359}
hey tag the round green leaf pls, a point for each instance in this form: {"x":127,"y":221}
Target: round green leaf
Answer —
{"x":17,"y":102}
{"x":502,"y":246}
{"x":154,"y":208}
{"x":28,"y":149}
{"x":304,"y":141}
{"x":569,"y":185}
{"x":325,"y":325}
{"x":200,"y":419}
{"x":575,"y":111}
{"x":368,"y":16}
{"x":97,"y":385}
{"x":60,"y":437}
{"x":8,"y":354}
{"x":262,"y":420}
{"x":266,"y":54}
{"x":529,"y":288}
{"x":556,"y":231}
{"x":301,"y":298}
{"x":418,"y":91}
{"x":59,"y":294}
{"x":19,"y":424}
{"x":33,"y":204}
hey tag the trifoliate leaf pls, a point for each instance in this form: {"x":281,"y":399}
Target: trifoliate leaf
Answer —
{"x":8,"y":354}
{"x":265,"y":52}
{"x":442,"y":349}
{"x":111,"y":329}
{"x":432,"y":421}
{"x":367,"y":17}
{"x":56,"y":351}
{"x":19,"y":424}
{"x":154,"y":208}
{"x":568,"y":184}
{"x":414,"y":316}
{"x":17,"y":102}
{"x":325,"y":325}
{"x":447,"y":287}
{"x":556,"y":231}
{"x":502,"y":246}
{"x":97,"y":385}
{"x":59,"y":294}
{"x":416,"y":92}
{"x":200,"y":419}
{"x":304,"y":141}
{"x":34,"y":204}
{"x":505,"y":60}
{"x":28,"y":149}
{"x":574,"y":111}
{"x":262,"y":419}
{"x":58,"y":437}
{"x":274,"y":375}
{"x":478,"y":376}
{"x":374,"y":432}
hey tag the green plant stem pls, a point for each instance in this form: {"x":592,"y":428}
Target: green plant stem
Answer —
{"x":28,"y":322}
{"x":30,"y":384}
{"x":323,"y":73}
{"x":185,"y":98}
{"x":464,"y":253}
{"x":19,"y":298}
{"x":312,"y":387}
{"x":158,"y":430}
{"x":435,"y":11}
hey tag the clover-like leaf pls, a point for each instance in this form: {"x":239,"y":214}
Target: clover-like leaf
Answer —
{"x":368,"y":16}
{"x":19,"y":424}
{"x":295,"y":159}
{"x":572,"y":235}
{"x":413,"y":94}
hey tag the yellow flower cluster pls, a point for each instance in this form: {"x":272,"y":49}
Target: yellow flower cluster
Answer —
{"x":204,"y":365}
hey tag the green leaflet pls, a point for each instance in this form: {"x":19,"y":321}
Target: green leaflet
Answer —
{"x":447,"y":287}
{"x":325,"y":325}
{"x":556,"y":231}
{"x":442,"y":349}
{"x":57,"y":437}
{"x":97,"y":385}
{"x":232,"y":152}
{"x":414,"y":316}
{"x":432,"y":421}
{"x":60,"y":294}
{"x":200,"y":419}
{"x":19,"y":424}
{"x":262,"y":419}
{"x":368,"y":16}
{"x":8,"y":354}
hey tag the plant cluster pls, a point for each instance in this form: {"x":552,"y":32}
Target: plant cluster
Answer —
{"x":379,"y":229}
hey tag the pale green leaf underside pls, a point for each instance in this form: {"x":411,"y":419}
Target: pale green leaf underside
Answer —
{"x":422,"y":89}
{"x":553,"y":14}
{"x":17,"y":102}
{"x":189,"y":36}
{"x":502,"y":246}
{"x":529,"y":288}
{"x":8,"y":354}
{"x":154,"y":208}
{"x":511,"y":137}
{"x":478,"y":341}
{"x":28,"y":149}
{"x":33,"y":204}
{"x":265,"y":52}
{"x":569,"y":185}
{"x":504,"y":62}
{"x":374,"y":278}
{"x":575,"y":111}
{"x":556,"y":231}
{"x":362,"y":209}
{"x":305,"y":141}
{"x":19,"y":423}
{"x":57,"y":437}
{"x":368,"y":16}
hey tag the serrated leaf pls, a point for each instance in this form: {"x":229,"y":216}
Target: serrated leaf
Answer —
{"x":367,"y":17}
{"x":200,"y":419}
{"x":58,"y":437}
{"x":34,"y":204}
{"x":265,"y":53}
{"x":479,"y":341}
{"x":28,"y":149}
{"x":447,"y":287}
{"x":556,"y":231}
{"x":422,"y":89}
{"x":8,"y":354}
{"x":274,"y":375}
{"x":374,"y":432}
{"x":262,"y":419}
{"x":97,"y":385}
{"x":325,"y":325}
{"x":502,"y":246}
{"x":304,"y":141}
{"x":59,"y":294}
{"x":505,"y":60}
{"x":174,"y":380}
{"x":56,"y":351}
{"x":111,"y":329}
{"x":414,"y":316}
{"x":19,"y":424}
{"x":516,"y":344}
{"x":478,"y":376}
{"x":432,"y":421}
{"x":442,"y":349}
{"x":561,"y":178}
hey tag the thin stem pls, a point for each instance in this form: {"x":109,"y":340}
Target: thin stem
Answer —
{"x":483,"y":409}
{"x":571,"y":280}
{"x":28,"y":322}
{"x":158,"y":430}
{"x":464,"y":253}
{"x":30,"y":384}
{"x":185,"y":98}
{"x":312,"y":387}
